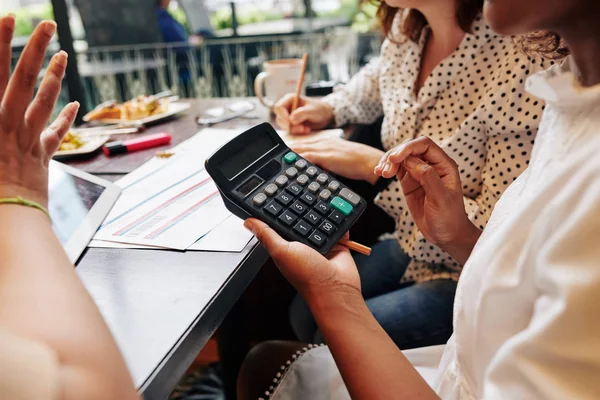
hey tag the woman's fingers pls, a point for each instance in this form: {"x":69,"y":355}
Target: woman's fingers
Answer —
{"x":7,"y":29}
{"x":41,"y":108}
{"x":426,"y":176}
{"x":22,"y":84}
{"x":275,"y":245}
{"x":53,"y":135}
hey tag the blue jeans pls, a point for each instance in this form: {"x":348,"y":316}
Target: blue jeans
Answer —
{"x":414,"y":315}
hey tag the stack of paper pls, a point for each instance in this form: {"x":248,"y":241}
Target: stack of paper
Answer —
{"x":174,"y":204}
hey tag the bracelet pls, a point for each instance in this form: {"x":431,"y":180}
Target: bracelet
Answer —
{"x":22,"y":202}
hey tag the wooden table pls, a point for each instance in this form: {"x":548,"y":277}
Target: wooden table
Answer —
{"x":153,"y":301}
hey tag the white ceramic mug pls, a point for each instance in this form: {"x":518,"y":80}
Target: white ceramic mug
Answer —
{"x":279,"y":78}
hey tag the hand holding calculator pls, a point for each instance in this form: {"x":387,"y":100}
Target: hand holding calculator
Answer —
{"x":259,"y":176}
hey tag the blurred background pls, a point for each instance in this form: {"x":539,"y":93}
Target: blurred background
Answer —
{"x":196,"y":48}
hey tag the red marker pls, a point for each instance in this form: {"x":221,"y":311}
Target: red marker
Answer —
{"x":129,"y":146}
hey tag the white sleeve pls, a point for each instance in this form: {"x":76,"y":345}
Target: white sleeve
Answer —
{"x":557,"y":354}
{"x":358,"y":101}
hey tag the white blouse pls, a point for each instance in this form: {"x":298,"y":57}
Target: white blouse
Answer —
{"x":473,"y":104}
{"x":527,"y":314}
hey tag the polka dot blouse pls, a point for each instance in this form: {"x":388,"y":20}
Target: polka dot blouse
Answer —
{"x":473,"y":104}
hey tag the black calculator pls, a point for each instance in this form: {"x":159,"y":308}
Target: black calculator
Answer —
{"x":259,"y":176}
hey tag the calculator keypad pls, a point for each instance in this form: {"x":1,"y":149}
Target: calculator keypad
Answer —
{"x":307,"y":201}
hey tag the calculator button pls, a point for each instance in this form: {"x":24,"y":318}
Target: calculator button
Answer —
{"x":336,"y":217}
{"x":322,"y":208}
{"x":271,"y":190}
{"x":325,"y":195}
{"x":282,"y":180}
{"x":284,"y":198}
{"x":333,"y":186}
{"x":314,"y":187}
{"x":341,"y":205}
{"x":350,"y":196}
{"x":301,"y":164}
{"x":312,"y":171}
{"x":291,"y":172}
{"x":290,"y":157}
{"x":328,"y":227}
{"x":294,"y":189}
{"x":274,"y":208}
{"x":312,"y":217}
{"x":317,"y":238}
{"x":303,"y":228}
{"x":322,"y":178}
{"x":259,"y":199}
{"x":309,"y":199}
{"x":299,"y":208}
{"x":288,"y":218}
{"x":302,"y":180}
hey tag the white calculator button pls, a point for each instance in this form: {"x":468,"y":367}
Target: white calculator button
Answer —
{"x":301,"y":164}
{"x":322,"y":178}
{"x":314,"y":187}
{"x":302,"y":180}
{"x":333,"y":186}
{"x":259,"y":199}
{"x":325,"y":195}
{"x":282,"y":180}
{"x":312,"y":171}
{"x":271,"y":190}
{"x":350,"y":196}
{"x":291,"y":172}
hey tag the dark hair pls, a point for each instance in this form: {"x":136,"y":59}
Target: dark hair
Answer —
{"x":414,"y":22}
{"x":544,"y":44}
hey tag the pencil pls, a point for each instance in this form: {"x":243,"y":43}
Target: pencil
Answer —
{"x":300,"y":83}
{"x":359,"y":248}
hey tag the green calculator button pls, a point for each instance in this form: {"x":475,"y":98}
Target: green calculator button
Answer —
{"x":290,"y":157}
{"x":341,"y":205}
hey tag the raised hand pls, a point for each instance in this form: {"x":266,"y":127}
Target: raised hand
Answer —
{"x":431,"y":184}
{"x":26,"y":151}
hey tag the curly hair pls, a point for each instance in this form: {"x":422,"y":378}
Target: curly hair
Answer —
{"x":544,"y":44}
{"x":414,"y":22}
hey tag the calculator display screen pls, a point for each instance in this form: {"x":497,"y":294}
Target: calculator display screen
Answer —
{"x":246,"y":156}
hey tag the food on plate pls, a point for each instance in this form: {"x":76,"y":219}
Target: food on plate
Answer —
{"x":138,"y":108}
{"x":71,"y":141}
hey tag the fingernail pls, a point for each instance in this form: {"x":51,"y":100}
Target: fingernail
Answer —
{"x":50,"y":28}
{"x":61,"y":58}
{"x":248,"y":225}
{"x":12,"y":16}
{"x":388,"y":166}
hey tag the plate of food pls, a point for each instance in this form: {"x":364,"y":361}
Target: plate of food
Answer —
{"x":74,"y":145}
{"x":142,"y":109}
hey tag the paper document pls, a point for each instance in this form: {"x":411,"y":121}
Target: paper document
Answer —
{"x":326,"y":134}
{"x":229,"y":236}
{"x":181,"y":204}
